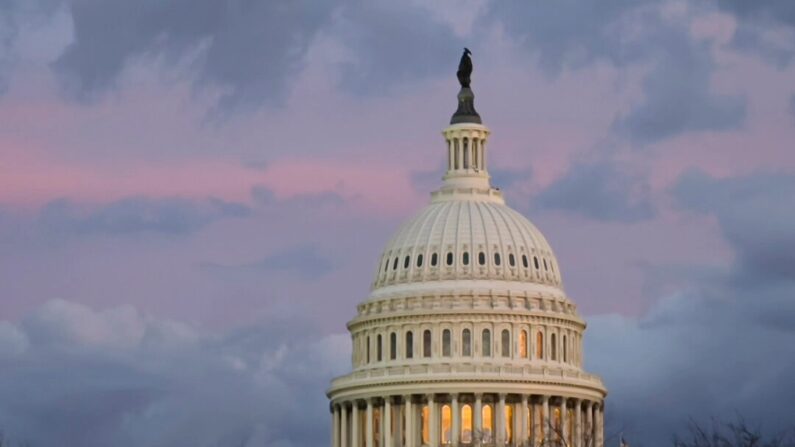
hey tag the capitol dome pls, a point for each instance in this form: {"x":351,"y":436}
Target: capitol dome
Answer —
{"x":467,"y":337}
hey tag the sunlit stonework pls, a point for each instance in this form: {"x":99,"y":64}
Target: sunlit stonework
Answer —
{"x":467,"y":337}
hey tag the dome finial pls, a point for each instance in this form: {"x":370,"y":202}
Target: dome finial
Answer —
{"x":466,"y":112}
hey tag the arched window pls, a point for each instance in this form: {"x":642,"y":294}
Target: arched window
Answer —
{"x":482,"y":258}
{"x":386,"y":264}
{"x":466,"y":258}
{"x":434,"y":260}
{"x":406,"y":262}
{"x":378,"y":348}
{"x":426,"y":425}
{"x":524,"y":261}
{"x":545,"y":264}
{"x":466,"y":343}
{"x":466,"y":424}
{"x":394,"y":264}
{"x":535,"y":261}
{"x":523,"y":344}
{"x":497,"y":259}
{"x":449,"y":258}
{"x":419,"y":260}
{"x":426,"y":343}
{"x":508,"y":424}
{"x":511,"y":260}
{"x":540,"y":345}
{"x":392,"y":346}
{"x":447,"y":425}
{"x":486,"y":343}
{"x":565,"y":350}
{"x":553,"y":347}
{"x":409,"y":345}
{"x":488,"y":423}
{"x":368,"y":349}
{"x":446,"y":342}
{"x":506,"y":343}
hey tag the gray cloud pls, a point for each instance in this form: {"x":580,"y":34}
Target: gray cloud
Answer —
{"x":572,"y":35}
{"x":755,"y":19}
{"x":725,"y":343}
{"x":118,"y":377}
{"x":138,"y":215}
{"x":599,"y":191}
{"x":303,"y":261}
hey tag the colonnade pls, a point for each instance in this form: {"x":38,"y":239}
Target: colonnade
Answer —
{"x":491,"y":420}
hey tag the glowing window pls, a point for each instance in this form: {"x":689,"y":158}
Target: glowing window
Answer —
{"x":447,"y":424}
{"x":466,"y":424}
{"x":486,"y":343}
{"x":539,"y":345}
{"x":466,"y":343}
{"x":523,"y":344}
{"x":409,"y":345}
{"x":506,"y":343}
{"x":426,"y":425}
{"x":488,"y":423}
{"x":392,"y":346}
{"x":482,"y":258}
{"x":446,"y":343}
{"x":509,"y":424}
{"x":426,"y":343}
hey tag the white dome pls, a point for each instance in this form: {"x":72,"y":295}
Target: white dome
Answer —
{"x":467,"y":237}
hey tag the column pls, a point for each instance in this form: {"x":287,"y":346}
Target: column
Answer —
{"x":478,"y":428}
{"x":577,"y":423}
{"x":344,"y":426}
{"x":589,"y":425}
{"x":483,"y":154}
{"x":450,"y":155}
{"x":500,"y":435}
{"x":536,"y":422}
{"x":433,"y":422}
{"x":471,"y":149}
{"x":386,"y":422}
{"x":564,"y":421}
{"x":545,"y":417}
{"x":369,"y":424}
{"x":600,"y":427}
{"x":408,"y":428}
{"x":335,"y":427}
{"x":524,"y":414}
{"x":356,"y":435}
{"x":456,"y":426}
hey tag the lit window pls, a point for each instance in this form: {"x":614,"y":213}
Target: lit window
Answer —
{"x":409,"y":345}
{"x":506,"y":343}
{"x":482,"y":258}
{"x":539,"y":345}
{"x":486,"y":342}
{"x":447,"y":424}
{"x":392,"y":346}
{"x":488,"y":424}
{"x":426,"y":425}
{"x":426,"y":343}
{"x":523,"y":344}
{"x":466,"y":342}
{"x":446,"y":343}
{"x":509,"y":424}
{"x":466,"y":424}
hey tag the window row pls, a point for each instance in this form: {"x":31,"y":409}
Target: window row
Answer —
{"x":558,"y":347}
{"x":449,"y":260}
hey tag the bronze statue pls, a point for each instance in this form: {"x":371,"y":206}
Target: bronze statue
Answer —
{"x":465,"y":68}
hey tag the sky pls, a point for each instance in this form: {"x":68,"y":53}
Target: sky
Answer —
{"x":194,"y":195}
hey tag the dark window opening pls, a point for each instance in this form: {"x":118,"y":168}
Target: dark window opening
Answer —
{"x":511,"y":259}
{"x":434,"y":260}
{"x":545,"y":265}
{"x":419,"y":260}
{"x":394,"y":264}
{"x":506,"y":343}
{"x":535,"y":261}
{"x":482,"y":258}
{"x":446,"y":343}
{"x":524,"y":261}
{"x":409,"y":345}
{"x":486,"y":343}
{"x":466,"y":258}
{"x":497,"y":259}
{"x":379,"y":348}
{"x":450,"y":258}
{"x":426,"y":343}
{"x":406,"y":262}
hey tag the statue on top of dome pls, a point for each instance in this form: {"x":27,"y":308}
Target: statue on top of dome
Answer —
{"x":465,"y":68}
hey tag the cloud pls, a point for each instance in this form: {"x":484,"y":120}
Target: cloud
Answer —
{"x":575,"y":35}
{"x":304,"y":262}
{"x":150,"y":386}
{"x":599,"y":191}
{"x":139,"y":215}
{"x":758,"y":25}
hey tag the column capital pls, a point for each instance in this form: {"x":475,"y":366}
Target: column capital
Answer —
{"x":502,"y":396}
{"x":525,"y":398}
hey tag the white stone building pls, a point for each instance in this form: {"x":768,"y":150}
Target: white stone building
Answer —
{"x":468,"y":337}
